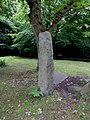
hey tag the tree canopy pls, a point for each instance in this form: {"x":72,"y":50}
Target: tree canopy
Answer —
{"x":70,"y":25}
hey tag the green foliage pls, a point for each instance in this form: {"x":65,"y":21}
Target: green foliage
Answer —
{"x":82,"y":115}
{"x":2,"y":63}
{"x":5,"y":30}
{"x":16,"y":30}
{"x":5,"y":50}
{"x":8,"y":7}
{"x":49,"y":8}
{"x":72,"y":35}
{"x":35,"y":92}
{"x":24,"y":43}
{"x":72,"y":31}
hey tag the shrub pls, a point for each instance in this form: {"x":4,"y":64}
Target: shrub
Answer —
{"x":2,"y":63}
{"x":5,"y":50}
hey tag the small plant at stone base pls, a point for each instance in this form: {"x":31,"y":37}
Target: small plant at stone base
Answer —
{"x":2,"y":63}
{"x":82,"y":115}
{"x":35,"y":92}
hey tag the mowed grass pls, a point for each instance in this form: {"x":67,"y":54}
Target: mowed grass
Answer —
{"x":73,"y":68}
{"x":17,"y":104}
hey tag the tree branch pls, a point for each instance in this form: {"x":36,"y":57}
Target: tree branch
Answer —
{"x":59,"y":14}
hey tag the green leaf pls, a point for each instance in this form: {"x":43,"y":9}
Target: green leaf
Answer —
{"x":36,"y":92}
{"x":82,"y":115}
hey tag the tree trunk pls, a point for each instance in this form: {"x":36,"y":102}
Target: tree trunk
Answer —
{"x":35,"y":18}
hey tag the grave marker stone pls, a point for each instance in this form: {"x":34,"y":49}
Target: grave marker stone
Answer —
{"x":46,"y":66}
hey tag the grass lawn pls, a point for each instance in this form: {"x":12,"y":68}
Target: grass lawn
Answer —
{"x":74,"y":68}
{"x":16,"y":82}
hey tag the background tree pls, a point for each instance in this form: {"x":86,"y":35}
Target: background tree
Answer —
{"x":15,"y":29}
{"x":6,"y":27}
{"x":24,"y":40}
{"x":71,"y":37}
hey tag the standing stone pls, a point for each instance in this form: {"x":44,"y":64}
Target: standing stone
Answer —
{"x":46,"y":66}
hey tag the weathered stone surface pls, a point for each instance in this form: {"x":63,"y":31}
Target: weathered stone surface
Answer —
{"x":82,"y":82}
{"x":74,"y":89}
{"x":86,"y":90}
{"x":59,"y":77}
{"x":46,"y":67}
{"x":87,"y":80}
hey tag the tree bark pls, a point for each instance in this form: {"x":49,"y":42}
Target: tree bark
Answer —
{"x":35,"y":18}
